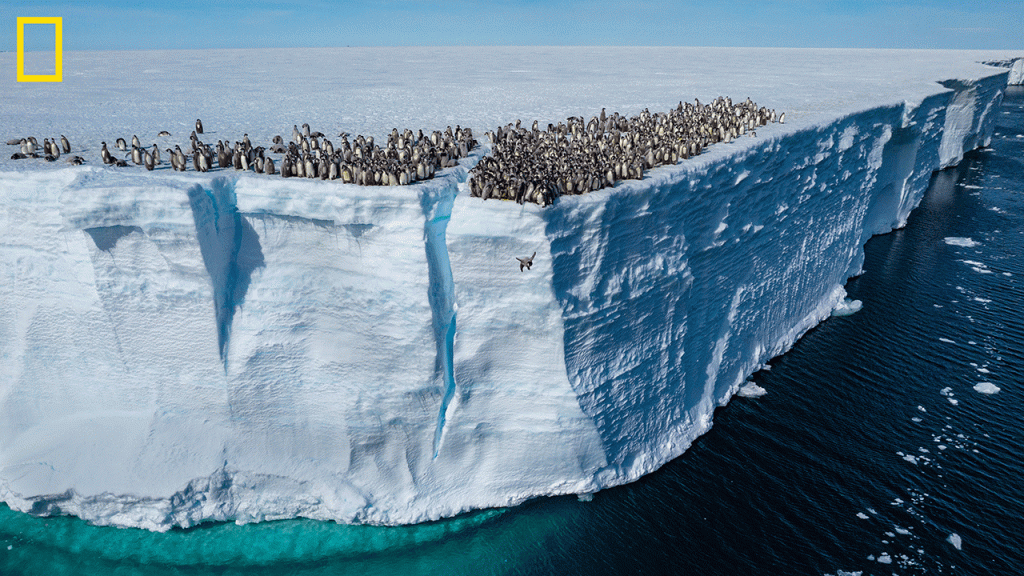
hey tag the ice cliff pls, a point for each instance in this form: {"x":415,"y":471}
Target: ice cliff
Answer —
{"x":181,"y":348}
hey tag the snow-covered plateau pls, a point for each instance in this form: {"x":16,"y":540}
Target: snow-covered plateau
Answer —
{"x":182,"y":347}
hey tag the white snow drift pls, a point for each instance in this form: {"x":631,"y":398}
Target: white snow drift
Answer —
{"x":184,"y":347}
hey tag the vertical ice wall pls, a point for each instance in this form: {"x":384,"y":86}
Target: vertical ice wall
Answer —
{"x":177,"y":349}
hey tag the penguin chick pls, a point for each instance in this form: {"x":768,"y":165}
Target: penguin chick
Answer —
{"x":525,"y":262}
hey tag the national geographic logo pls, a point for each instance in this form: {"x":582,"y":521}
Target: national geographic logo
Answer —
{"x":58,"y":27}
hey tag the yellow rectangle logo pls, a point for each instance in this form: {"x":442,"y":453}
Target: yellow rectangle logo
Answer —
{"x":58,"y":26}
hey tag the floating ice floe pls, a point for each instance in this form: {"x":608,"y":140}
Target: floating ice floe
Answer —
{"x":958,"y":241}
{"x":847,"y":307}
{"x":986,"y":388}
{"x":955,"y":540}
{"x":977,"y":267}
{"x":751,"y":390}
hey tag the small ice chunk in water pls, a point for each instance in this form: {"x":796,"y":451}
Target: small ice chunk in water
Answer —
{"x":585,"y":497}
{"x":884,"y":558}
{"x":986,"y":388}
{"x":847,"y":307}
{"x":752,"y":390}
{"x":955,"y":540}
{"x":862,"y":516}
{"x":957,"y":241}
{"x":947,"y":341}
{"x":953,"y":401}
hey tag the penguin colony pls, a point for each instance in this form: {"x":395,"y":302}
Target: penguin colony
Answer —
{"x":30,"y":148}
{"x":406,"y":157}
{"x":524,"y":165}
{"x":578,"y":156}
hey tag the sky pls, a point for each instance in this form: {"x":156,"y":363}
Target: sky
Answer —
{"x":178,"y":24}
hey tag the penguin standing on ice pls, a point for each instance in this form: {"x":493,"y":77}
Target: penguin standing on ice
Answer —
{"x":199,"y":126}
{"x":65,"y":144}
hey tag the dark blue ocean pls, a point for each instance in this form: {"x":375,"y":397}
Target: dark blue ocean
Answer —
{"x":880,"y":438}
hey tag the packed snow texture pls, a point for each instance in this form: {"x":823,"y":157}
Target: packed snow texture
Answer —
{"x":185,"y":347}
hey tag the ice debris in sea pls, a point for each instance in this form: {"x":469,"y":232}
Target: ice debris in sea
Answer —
{"x":751,"y":390}
{"x":963,"y":242}
{"x":986,"y":388}
{"x":847,"y":307}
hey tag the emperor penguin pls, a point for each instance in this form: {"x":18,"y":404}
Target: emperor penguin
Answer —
{"x":65,"y":144}
{"x":149,"y":161}
{"x":199,"y":126}
{"x":525,"y":262}
{"x":135,"y":141}
{"x":104,"y":153}
{"x":180,"y":157}
{"x":121,"y":144}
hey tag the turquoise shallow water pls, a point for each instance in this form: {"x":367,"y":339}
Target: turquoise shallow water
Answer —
{"x":857,"y":460}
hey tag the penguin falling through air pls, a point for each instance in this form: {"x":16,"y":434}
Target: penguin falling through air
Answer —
{"x":525,"y":262}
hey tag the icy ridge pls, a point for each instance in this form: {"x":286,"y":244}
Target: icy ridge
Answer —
{"x":324,"y":373}
{"x":1016,"y":66}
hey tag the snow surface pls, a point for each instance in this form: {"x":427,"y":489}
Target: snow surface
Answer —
{"x":185,"y":347}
